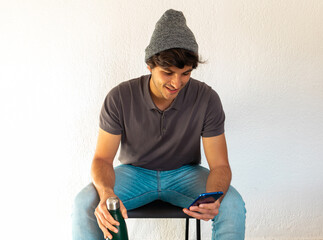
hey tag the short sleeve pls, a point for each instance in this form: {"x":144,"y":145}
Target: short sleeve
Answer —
{"x":110,"y":116}
{"x":214,"y":117}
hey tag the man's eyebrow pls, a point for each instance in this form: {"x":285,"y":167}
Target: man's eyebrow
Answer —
{"x":167,"y":69}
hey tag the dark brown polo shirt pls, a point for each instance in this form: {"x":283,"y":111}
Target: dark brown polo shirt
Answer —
{"x":161,"y":140}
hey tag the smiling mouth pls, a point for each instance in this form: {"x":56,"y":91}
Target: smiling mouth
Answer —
{"x":172,"y":90}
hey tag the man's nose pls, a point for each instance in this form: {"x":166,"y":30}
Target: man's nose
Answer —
{"x":176,"y":81}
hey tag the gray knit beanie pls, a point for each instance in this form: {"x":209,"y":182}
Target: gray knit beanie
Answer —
{"x":171,"y":31}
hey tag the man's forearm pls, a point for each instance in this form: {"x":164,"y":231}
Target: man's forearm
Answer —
{"x":103,"y":177}
{"x":219,"y":179}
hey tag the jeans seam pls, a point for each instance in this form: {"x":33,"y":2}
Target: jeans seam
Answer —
{"x":130,"y":199}
{"x":158,"y":184}
{"x":177,"y":193}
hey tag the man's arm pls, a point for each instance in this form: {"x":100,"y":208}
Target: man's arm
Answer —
{"x":219,"y":178}
{"x":103,"y":176}
{"x":102,"y":171}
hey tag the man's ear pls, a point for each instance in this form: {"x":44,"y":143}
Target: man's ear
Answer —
{"x":149,"y":68}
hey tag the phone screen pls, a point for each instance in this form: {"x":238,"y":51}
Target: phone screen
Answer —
{"x":206,"y":198}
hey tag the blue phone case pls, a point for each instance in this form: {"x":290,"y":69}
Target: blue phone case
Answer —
{"x":206,"y":198}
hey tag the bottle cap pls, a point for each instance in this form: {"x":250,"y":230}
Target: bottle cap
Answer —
{"x":113,"y":203}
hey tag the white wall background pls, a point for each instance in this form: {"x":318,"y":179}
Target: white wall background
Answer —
{"x":58,"y":60}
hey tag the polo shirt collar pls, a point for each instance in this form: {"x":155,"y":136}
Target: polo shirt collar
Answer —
{"x":176,"y":104}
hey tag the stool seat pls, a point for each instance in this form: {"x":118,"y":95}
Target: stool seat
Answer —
{"x":161,"y":209}
{"x":158,"y":209}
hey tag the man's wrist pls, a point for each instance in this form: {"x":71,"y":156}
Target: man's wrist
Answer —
{"x":104,"y":193}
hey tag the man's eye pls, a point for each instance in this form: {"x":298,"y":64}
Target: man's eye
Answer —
{"x":168,"y":73}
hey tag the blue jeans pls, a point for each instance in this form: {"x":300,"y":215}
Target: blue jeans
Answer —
{"x":138,"y":186}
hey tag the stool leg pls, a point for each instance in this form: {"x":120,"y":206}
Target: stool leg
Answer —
{"x":187,"y":228}
{"x":198,"y":229}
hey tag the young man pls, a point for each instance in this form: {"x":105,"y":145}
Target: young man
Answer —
{"x":159,"y":119}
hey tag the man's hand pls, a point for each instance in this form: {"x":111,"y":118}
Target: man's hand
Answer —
{"x":105,"y":221}
{"x":205,"y":211}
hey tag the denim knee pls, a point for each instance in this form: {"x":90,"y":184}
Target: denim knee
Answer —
{"x":85,"y":202}
{"x":233,"y":202}
{"x":230,"y":222}
{"x":84,"y":224}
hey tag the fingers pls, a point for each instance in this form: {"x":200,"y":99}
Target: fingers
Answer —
{"x":215,"y":205}
{"x":105,"y":221}
{"x":103,"y":210}
{"x":105,"y":231}
{"x":201,"y":216}
{"x":204,"y":212}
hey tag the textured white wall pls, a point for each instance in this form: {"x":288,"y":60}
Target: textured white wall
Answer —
{"x":58,"y":59}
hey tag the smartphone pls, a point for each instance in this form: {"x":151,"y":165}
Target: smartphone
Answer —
{"x":210,"y":197}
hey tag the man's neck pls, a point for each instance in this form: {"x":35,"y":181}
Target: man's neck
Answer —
{"x":163,"y":106}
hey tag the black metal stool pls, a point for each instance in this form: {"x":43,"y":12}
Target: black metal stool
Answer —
{"x":161,"y":209}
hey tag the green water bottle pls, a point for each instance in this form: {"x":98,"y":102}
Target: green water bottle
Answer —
{"x":113,"y":206}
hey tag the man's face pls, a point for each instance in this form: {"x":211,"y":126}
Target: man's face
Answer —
{"x":166,"y":83}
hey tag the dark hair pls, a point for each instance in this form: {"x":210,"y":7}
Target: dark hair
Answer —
{"x":177,"y":57}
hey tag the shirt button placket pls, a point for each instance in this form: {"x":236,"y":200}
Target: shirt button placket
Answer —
{"x":163,"y":127}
